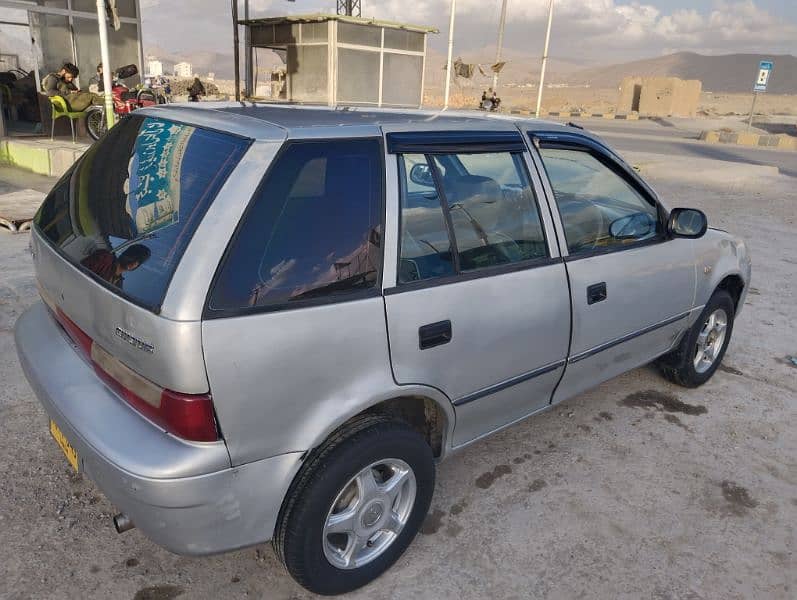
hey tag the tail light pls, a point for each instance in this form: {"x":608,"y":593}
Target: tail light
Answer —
{"x":189,"y":416}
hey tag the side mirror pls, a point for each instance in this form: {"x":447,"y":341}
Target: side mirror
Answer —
{"x":632,"y":227}
{"x":687,"y":223}
{"x":422,"y":175}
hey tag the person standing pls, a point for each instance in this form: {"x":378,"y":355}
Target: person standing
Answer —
{"x":196,"y":90}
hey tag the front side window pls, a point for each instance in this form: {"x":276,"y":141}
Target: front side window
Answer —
{"x":483,"y":202}
{"x":313,"y":229}
{"x":599,"y":209}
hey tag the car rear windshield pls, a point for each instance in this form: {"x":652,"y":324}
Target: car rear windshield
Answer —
{"x":126,"y":211}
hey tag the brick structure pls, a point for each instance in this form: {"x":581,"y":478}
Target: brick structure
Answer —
{"x":659,"y":96}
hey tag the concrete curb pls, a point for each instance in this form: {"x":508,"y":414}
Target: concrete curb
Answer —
{"x":582,"y":115}
{"x":782,"y":142}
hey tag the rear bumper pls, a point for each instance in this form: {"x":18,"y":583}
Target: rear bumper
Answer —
{"x":183,"y":495}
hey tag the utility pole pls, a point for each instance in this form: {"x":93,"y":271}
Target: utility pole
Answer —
{"x":235,"y":50}
{"x":450,"y":52}
{"x":752,"y":111}
{"x":544,"y":58}
{"x":500,"y":43}
{"x":106,"y":63}
{"x":248,"y":75}
{"x":350,"y":8}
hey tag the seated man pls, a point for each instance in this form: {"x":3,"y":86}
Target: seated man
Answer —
{"x":62,"y":84}
{"x":96,"y":83}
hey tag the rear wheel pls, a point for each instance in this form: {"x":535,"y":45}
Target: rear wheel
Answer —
{"x":702,"y":348}
{"x":356,"y":505}
{"x":95,"y":122}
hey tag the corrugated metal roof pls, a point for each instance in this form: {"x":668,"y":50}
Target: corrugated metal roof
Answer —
{"x":321,"y":18}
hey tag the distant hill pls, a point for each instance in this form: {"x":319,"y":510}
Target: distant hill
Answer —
{"x":726,"y":73}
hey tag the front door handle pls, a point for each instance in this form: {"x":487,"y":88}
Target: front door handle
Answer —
{"x":434,"y":334}
{"x":596,"y":292}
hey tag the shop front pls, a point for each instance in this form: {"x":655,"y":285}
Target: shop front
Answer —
{"x":38,"y":36}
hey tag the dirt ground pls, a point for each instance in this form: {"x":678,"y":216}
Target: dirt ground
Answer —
{"x":636,"y":489}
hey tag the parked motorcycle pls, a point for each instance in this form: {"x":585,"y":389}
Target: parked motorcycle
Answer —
{"x":125,"y":101}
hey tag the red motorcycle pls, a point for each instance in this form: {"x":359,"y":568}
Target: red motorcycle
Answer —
{"x":125,"y":101}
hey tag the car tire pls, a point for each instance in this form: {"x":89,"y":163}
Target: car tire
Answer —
{"x":683,"y":365}
{"x":329,"y":486}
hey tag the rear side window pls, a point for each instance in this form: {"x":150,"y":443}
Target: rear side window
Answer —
{"x":482,"y":202}
{"x":127,"y":210}
{"x":312,"y":231}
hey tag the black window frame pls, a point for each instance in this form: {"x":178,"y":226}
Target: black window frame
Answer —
{"x":468,"y":143}
{"x":579,"y":143}
{"x":208,"y":312}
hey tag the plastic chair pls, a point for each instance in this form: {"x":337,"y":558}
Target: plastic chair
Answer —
{"x":60,"y":109}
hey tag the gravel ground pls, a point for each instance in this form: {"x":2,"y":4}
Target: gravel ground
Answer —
{"x":636,"y":489}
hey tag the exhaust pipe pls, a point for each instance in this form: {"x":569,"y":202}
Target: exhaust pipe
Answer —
{"x":122,"y":523}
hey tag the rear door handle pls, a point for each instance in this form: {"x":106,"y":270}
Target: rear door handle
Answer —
{"x":434,"y":334}
{"x":596,"y":292}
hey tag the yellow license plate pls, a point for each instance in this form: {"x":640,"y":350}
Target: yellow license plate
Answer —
{"x":60,"y":438}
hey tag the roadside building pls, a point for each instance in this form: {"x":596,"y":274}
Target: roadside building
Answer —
{"x":659,"y":96}
{"x":154,"y":68}
{"x":183,"y":69}
{"x":37,"y":37}
{"x":337,"y":59}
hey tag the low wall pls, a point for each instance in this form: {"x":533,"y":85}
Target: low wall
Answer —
{"x":42,"y":156}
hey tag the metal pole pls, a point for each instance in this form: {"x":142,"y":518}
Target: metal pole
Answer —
{"x":235,"y":50}
{"x":752,"y":111}
{"x":544,"y":59}
{"x":106,"y":64}
{"x":450,"y":52}
{"x":500,"y":43}
{"x":248,"y":75}
{"x":2,"y":118}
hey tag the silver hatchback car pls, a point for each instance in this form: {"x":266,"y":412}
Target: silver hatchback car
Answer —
{"x":271,"y":322}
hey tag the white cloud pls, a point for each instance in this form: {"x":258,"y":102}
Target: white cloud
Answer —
{"x":601,"y":26}
{"x":592,"y":30}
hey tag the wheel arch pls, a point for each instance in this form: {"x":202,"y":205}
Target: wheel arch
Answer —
{"x":734,"y":285}
{"x":425,"y":409}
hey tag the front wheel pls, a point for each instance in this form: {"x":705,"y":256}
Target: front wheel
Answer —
{"x":356,"y":505}
{"x":702,"y":348}
{"x":95,"y":122}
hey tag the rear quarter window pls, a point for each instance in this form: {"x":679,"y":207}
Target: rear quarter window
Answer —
{"x":312,"y":232}
{"x":127,"y":210}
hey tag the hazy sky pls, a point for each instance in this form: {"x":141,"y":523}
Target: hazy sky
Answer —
{"x":584,"y":30}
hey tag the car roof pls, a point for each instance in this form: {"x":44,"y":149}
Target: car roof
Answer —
{"x":272,"y":121}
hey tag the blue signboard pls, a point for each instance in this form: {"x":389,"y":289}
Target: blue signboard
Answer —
{"x":764,"y":71}
{"x":154,"y":186}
